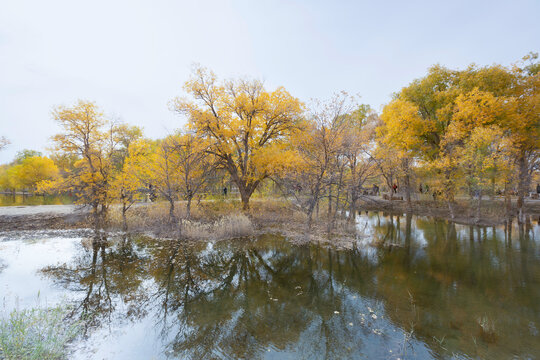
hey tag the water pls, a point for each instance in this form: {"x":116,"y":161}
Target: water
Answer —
{"x":24,"y":200}
{"x":435,"y":290}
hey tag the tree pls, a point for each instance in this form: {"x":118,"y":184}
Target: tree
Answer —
{"x":25,"y":154}
{"x":244,"y":124}
{"x":125,"y":136}
{"x":156,"y":165}
{"x":357,"y":148}
{"x":486,"y":155}
{"x":125,"y":187}
{"x":194,"y":165}
{"x":438,"y":113}
{"x":318,"y":145}
{"x":523,"y":124}
{"x":126,"y":184}
{"x":31,"y":171}
{"x":401,"y":123}
{"x":91,"y":139}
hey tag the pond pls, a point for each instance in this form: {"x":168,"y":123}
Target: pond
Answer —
{"x":439,"y":291}
{"x":24,"y":200}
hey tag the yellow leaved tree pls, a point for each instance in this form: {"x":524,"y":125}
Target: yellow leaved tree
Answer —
{"x":243,"y":124}
{"x":318,"y":147}
{"x":31,"y":171}
{"x":195,"y":165}
{"x":398,"y":135}
{"x":90,"y":140}
{"x":155,"y":164}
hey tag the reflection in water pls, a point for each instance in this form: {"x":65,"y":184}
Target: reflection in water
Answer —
{"x":432,"y":289}
{"x":24,"y":200}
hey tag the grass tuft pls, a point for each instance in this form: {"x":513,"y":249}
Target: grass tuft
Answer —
{"x":227,"y":227}
{"x":36,"y":334}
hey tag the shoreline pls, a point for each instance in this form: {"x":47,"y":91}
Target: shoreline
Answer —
{"x":271,"y":215}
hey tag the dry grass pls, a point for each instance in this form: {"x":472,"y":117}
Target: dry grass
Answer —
{"x":487,"y":329}
{"x":143,"y":216}
{"x":227,"y":227}
{"x":222,"y":219}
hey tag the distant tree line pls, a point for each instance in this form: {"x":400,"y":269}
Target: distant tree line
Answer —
{"x":470,"y":132}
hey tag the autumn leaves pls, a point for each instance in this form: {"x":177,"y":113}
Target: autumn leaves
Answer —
{"x":474,"y":131}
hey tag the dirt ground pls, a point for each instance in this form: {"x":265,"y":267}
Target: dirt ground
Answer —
{"x":42,"y":217}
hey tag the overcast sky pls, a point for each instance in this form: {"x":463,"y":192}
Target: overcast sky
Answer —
{"x":132,"y":57}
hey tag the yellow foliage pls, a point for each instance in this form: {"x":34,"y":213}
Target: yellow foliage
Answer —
{"x":28,"y":173}
{"x":243,"y":124}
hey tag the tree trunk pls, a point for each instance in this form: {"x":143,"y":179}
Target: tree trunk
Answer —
{"x":352,"y":207}
{"x":329,"y":214}
{"x":172,"y":217}
{"x":407,"y":183}
{"x":507,"y":200}
{"x":478,"y":205}
{"x":188,"y":207}
{"x":522,"y":186}
{"x":95,"y":214}
{"x":314,"y":202}
{"x":246,"y":190}
{"x":450,"y":208}
{"x":124,"y":217}
{"x":245,"y":200}
{"x":340,"y":185}
{"x":492,"y":194}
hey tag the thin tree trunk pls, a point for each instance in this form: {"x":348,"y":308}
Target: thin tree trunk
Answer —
{"x":188,"y":207}
{"x":450,"y":208}
{"x":124,"y":217}
{"x":314,"y":203}
{"x":522,"y":186}
{"x":478,"y":205}
{"x":407,"y":183}
{"x":172,"y":216}
{"x":507,"y":200}
{"x":340,"y":184}
{"x":352,"y":207}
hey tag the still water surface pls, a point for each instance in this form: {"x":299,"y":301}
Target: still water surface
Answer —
{"x":441,"y":291}
{"x":25,"y":200}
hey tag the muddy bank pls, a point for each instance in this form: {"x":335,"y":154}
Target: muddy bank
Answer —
{"x":492,"y":212}
{"x":214,"y":220}
{"x":42,"y":217}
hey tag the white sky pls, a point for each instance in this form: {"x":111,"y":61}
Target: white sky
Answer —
{"x":132,"y":57}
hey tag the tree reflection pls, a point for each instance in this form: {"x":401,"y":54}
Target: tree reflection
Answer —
{"x":239,"y":299}
{"x":104,"y":275}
